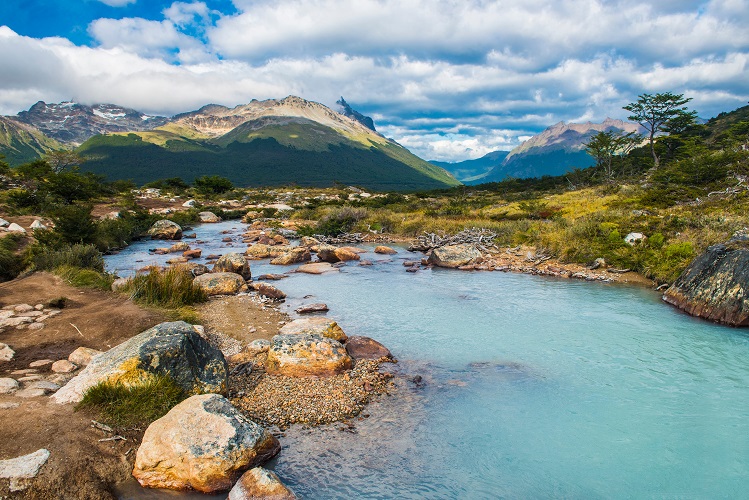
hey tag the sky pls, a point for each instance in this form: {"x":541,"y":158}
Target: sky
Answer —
{"x":449,"y":79}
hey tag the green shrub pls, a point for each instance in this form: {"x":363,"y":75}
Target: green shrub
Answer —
{"x":80,"y":256}
{"x":172,"y":288}
{"x":340,"y":220}
{"x":11,"y":264}
{"x":84,"y":278}
{"x":133,"y":406}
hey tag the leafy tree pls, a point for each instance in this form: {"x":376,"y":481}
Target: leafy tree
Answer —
{"x":62,"y":160}
{"x":213,"y":184}
{"x":659,"y":113}
{"x":603,"y":146}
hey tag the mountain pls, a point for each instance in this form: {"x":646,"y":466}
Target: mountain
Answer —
{"x":272,"y":142}
{"x":555,"y":151}
{"x":72,"y":123}
{"x":22,"y":143}
{"x":466,"y":171}
{"x":348,"y":111}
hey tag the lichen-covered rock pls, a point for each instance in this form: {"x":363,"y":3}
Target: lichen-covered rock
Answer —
{"x":366,"y":348}
{"x":319,"y":325}
{"x":82,"y":356}
{"x":295,"y":256}
{"x":6,"y":353}
{"x":309,"y":241}
{"x":316,"y":268}
{"x":312,"y":308}
{"x":173,"y":349}
{"x":220,"y":283}
{"x":8,"y":385}
{"x":204,"y":444}
{"x":63,"y":366}
{"x":385,"y":250}
{"x":269,"y":291}
{"x":331,"y":254}
{"x":21,"y":470}
{"x":263,"y":251}
{"x":715,"y":286}
{"x":179,"y":247}
{"x":454,"y":256}
{"x":233,"y":262}
{"x":306,"y":355}
{"x":209,"y":217}
{"x":260,"y":483}
{"x":165,"y":230}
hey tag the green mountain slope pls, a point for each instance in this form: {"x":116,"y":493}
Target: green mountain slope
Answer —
{"x":21,"y":143}
{"x":466,"y":171}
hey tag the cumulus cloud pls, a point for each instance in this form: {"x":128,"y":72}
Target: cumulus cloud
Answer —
{"x":117,"y":3}
{"x":449,"y":79}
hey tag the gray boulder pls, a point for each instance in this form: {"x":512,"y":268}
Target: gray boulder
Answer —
{"x":220,"y":283}
{"x":306,"y":355}
{"x":260,"y":483}
{"x":165,"y":230}
{"x":204,"y":444}
{"x":173,"y":349}
{"x":21,"y":470}
{"x":454,"y":255}
{"x":209,"y":217}
{"x":233,"y":262}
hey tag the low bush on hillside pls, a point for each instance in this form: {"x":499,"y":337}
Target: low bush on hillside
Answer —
{"x":80,"y":256}
{"x":11,"y":263}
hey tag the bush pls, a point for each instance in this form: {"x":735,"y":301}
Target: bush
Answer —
{"x":172,"y":288}
{"x":79,"y":256}
{"x":84,"y":278}
{"x":11,"y":264}
{"x":340,"y":221}
{"x":212,"y":184}
{"x":133,"y":406}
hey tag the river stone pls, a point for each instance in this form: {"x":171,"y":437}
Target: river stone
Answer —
{"x":179,"y":247}
{"x":454,"y":256}
{"x":220,"y":283}
{"x":120,"y":284}
{"x":385,"y":250}
{"x":192,"y":254}
{"x":21,"y":470}
{"x":366,"y":348}
{"x":296,"y":256}
{"x":63,"y":366}
{"x":250,"y":351}
{"x":6,"y":353}
{"x":204,"y":444}
{"x":30,"y":392}
{"x":174,"y":349}
{"x":8,"y":385}
{"x":306,"y":355}
{"x":312,"y":308}
{"x":269,"y":291}
{"x":318,"y":325}
{"x":260,"y":483}
{"x":41,"y":362}
{"x":209,"y":217}
{"x":44,"y":385}
{"x":165,"y":230}
{"x":715,"y":286}
{"x":233,"y":262}
{"x":309,"y":241}
{"x":15,"y":228}
{"x":316,"y":268}
{"x":82,"y":356}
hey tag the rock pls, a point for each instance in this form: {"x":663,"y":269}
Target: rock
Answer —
{"x":15,"y":228}
{"x":366,"y":348}
{"x":385,"y":250}
{"x":44,"y":385}
{"x":204,"y":444}
{"x":309,"y":241}
{"x":189,"y":204}
{"x":176,"y":260}
{"x":41,"y":362}
{"x":233,"y":262}
{"x":454,"y":256}
{"x":173,"y":349}
{"x":269,"y":291}
{"x":4,"y":223}
{"x":194,"y":268}
{"x":316,"y":268}
{"x":599,"y":262}
{"x":209,"y":217}
{"x":260,"y":483}
{"x":715,"y":285}
{"x":354,"y":249}
{"x":82,"y":356}
{"x":179,"y":247}
{"x":329,"y":253}
{"x":192,"y":254}
{"x":165,"y":230}
{"x":272,"y":277}
{"x":9,"y":405}
{"x":633,"y":238}
{"x":21,"y":470}
{"x":296,"y":256}
{"x":6,"y":353}
{"x":316,"y":325}
{"x":220,"y":283}
{"x":345,"y":254}
{"x":37,"y":224}
{"x":120,"y":284}
{"x":306,"y":355}
{"x":31,"y":393}
{"x":23,"y":308}
{"x":250,"y":351}
{"x":63,"y":366}
{"x":312,"y":308}
{"x":8,"y":385}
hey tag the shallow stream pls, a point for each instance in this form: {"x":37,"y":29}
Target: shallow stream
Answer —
{"x":532,"y":388}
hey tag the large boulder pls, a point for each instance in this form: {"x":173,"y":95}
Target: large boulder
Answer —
{"x":366,"y":348}
{"x":306,"y":355}
{"x":165,"y":230}
{"x":209,"y":217}
{"x":715,"y":286}
{"x":319,"y":325}
{"x":220,"y":283}
{"x":454,"y":255}
{"x":269,"y":291}
{"x":382,"y":249}
{"x":204,"y":444}
{"x":233,"y":262}
{"x":331,"y":254}
{"x":174,"y":349}
{"x":260,"y":483}
{"x":295,"y":256}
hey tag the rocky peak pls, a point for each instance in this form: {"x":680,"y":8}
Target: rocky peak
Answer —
{"x":347,"y":110}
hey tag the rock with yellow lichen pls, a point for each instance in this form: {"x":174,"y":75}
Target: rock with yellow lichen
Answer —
{"x":306,"y":355}
{"x":321,"y":326}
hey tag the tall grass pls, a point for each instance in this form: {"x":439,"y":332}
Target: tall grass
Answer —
{"x":11,"y":264}
{"x":172,"y":288}
{"x":80,"y":256}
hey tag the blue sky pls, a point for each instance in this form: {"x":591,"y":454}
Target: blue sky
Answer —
{"x":449,"y":79}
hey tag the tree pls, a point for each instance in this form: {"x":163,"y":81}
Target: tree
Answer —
{"x":213,"y":184}
{"x":659,"y":112}
{"x":62,"y":160}
{"x":605,"y":145}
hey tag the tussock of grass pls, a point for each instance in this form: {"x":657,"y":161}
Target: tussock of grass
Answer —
{"x":10,"y":263}
{"x":84,"y":278}
{"x":129,"y":406}
{"x":81,"y":256}
{"x":171,"y":289}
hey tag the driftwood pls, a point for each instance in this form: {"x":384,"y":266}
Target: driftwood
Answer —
{"x":351,"y":238}
{"x":482,"y":238}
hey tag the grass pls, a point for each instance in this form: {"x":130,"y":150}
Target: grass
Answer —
{"x":11,"y":263}
{"x":80,"y":256}
{"x":132,"y":406}
{"x":84,"y":278}
{"x":172,"y":288}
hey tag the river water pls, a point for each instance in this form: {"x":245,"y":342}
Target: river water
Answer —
{"x":531,"y":388}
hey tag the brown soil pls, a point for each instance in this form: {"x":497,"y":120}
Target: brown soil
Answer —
{"x":79,"y":466}
{"x":242,"y":317}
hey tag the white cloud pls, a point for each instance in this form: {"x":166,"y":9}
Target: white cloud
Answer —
{"x":117,"y":3}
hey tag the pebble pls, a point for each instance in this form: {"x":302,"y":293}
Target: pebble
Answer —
{"x":6,"y":353}
{"x":44,"y":385}
{"x":8,"y":385}
{"x":25,"y":371}
{"x":63,"y":366}
{"x":41,"y":362}
{"x":31,"y":393}
{"x":30,"y":378}
{"x":35,"y":326}
{"x":22,"y":308}
{"x":9,"y":405}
